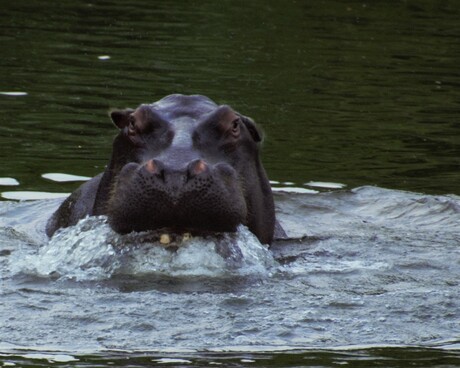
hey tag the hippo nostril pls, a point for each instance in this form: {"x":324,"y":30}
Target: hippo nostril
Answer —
{"x":151,"y":167}
{"x":195,"y":168}
{"x":155,"y":167}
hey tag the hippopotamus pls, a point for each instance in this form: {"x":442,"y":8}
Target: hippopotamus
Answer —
{"x":182,"y":163}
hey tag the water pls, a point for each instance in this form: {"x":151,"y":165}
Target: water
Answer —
{"x":93,"y":251}
{"x":360,"y":93}
{"x":363,"y":270}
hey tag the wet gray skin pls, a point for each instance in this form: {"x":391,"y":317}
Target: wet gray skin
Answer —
{"x":183,"y":164}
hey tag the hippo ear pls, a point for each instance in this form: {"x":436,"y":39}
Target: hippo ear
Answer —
{"x":121,"y":117}
{"x":252,"y":127}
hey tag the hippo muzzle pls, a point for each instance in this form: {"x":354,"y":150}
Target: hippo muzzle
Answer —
{"x":197,"y":198}
{"x":182,"y":163}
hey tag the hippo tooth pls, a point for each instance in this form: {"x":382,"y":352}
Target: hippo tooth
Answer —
{"x":165,"y":239}
{"x":186,"y":237}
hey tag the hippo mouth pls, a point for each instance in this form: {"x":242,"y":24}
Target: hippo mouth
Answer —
{"x":168,"y":238}
{"x":209,"y":201}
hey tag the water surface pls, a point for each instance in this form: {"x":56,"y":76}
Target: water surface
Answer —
{"x":362,"y":269}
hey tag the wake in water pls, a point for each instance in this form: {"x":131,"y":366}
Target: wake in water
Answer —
{"x":91,"y":250}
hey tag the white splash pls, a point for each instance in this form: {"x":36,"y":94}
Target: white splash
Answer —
{"x":91,"y":250}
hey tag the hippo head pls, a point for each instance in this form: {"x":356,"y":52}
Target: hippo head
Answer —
{"x":187,"y":165}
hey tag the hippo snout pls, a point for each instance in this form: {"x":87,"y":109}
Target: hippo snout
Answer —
{"x":175,"y":180}
{"x":198,"y":197}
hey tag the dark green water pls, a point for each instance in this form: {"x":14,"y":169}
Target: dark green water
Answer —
{"x":346,"y":91}
{"x":360,"y":93}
